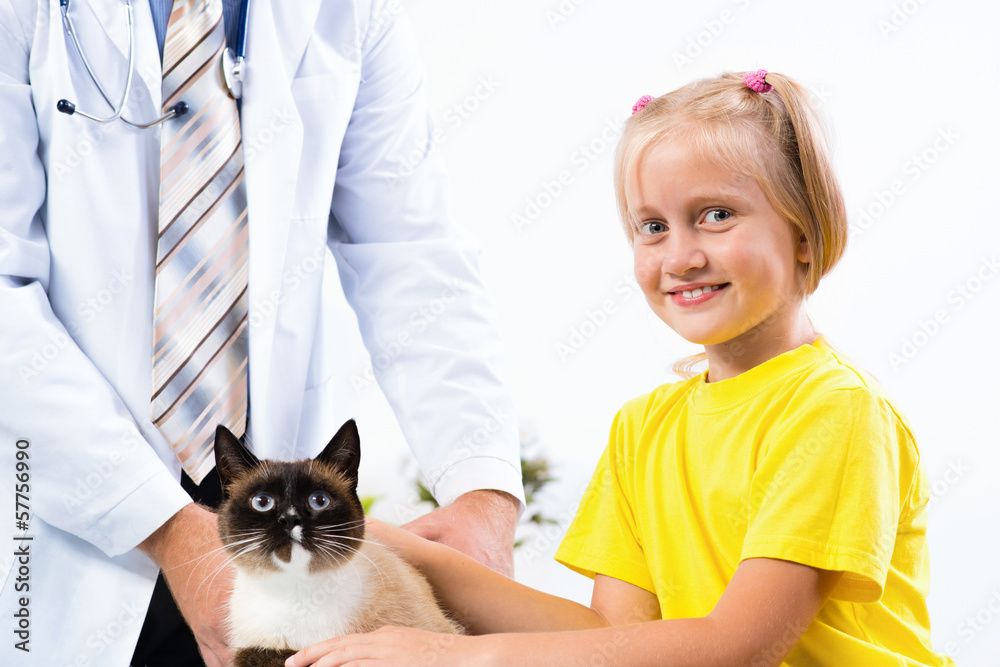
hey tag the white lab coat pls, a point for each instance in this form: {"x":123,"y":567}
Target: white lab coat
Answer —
{"x":333,"y":111}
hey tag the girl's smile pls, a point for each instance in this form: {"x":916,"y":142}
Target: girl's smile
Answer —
{"x":694,"y":294}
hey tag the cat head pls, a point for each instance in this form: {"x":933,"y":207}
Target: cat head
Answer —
{"x":276,"y":510}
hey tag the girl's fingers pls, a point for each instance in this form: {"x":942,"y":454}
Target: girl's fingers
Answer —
{"x":310,"y":654}
{"x":343,"y":650}
{"x":388,"y":647}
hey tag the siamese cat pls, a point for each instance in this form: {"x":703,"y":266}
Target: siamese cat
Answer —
{"x":304,"y":571}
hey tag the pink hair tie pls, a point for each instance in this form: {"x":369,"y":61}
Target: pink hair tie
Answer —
{"x":643,"y":101}
{"x":755,"y":81}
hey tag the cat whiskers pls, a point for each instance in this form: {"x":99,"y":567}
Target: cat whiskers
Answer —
{"x":243,"y":546}
{"x":349,"y":537}
{"x":205,"y":555}
{"x":329,"y":549}
{"x":347,"y":525}
{"x":357,"y":539}
{"x":381,"y":574}
{"x":336,"y":549}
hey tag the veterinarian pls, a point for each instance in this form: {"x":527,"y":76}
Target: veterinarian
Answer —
{"x":166,"y":205}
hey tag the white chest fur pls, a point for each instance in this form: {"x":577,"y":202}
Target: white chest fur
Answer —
{"x":292,"y":608}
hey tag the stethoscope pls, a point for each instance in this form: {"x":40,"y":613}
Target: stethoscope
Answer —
{"x":233,"y":70}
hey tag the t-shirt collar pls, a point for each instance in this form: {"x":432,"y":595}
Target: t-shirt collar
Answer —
{"x":746,"y":385}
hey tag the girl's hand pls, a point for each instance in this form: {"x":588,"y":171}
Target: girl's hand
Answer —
{"x":391,"y":646}
{"x":387,"y":534}
{"x":406,"y":544}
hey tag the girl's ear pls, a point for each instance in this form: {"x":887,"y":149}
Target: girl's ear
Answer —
{"x":803,"y":251}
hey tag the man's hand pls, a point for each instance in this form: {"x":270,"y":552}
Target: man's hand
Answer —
{"x":188,"y":550}
{"x":480,"y":524}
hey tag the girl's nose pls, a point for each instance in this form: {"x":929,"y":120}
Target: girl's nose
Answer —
{"x":682,"y":252}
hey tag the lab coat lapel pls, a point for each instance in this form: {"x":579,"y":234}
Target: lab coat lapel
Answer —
{"x":272,"y":146}
{"x":110,"y":16}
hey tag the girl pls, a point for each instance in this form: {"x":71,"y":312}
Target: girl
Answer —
{"x":770,"y":510}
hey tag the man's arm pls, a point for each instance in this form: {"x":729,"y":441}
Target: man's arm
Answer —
{"x":480,"y":524}
{"x":413,"y":280}
{"x":190,"y":554}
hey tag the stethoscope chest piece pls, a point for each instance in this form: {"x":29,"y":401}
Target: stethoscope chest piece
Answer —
{"x":232,"y":73}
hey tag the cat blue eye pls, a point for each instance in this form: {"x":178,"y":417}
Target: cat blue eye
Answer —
{"x":319,"y":500}
{"x":262,"y":502}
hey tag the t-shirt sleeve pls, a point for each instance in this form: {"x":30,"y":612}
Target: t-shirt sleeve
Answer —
{"x":829,"y":489}
{"x":604,"y":537}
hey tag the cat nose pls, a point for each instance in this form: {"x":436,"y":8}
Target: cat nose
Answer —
{"x":290,"y":519}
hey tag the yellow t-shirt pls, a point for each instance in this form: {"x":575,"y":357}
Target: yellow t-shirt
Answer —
{"x":802,"y":458}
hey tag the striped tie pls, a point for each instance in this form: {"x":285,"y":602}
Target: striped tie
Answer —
{"x":199,"y":330}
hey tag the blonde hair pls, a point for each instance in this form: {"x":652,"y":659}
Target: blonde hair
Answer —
{"x":775,"y":138}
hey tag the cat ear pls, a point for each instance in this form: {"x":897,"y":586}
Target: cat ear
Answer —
{"x":231,"y":457}
{"x":344,"y":452}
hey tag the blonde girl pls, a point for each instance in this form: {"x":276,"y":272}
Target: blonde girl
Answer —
{"x":769,"y":510}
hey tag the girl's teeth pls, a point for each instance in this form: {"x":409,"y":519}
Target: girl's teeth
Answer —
{"x":698,"y":291}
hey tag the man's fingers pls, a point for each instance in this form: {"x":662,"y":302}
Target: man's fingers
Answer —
{"x":210,"y":657}
{"x":464,"y":527}
{"x":426,"y":527}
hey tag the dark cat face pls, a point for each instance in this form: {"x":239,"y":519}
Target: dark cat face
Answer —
{"x":274,"y":507}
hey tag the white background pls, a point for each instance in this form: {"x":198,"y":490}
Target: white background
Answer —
{"x":525,"y":90}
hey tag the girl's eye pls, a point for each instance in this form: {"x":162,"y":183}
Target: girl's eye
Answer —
{"x":319,"y":500}
{"x":650,"y":228}
{"x":262,"y":502}
{"x":718,"y":215}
